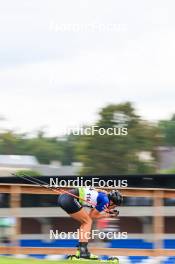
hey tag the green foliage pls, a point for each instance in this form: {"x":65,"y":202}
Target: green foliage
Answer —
{"x":10,"y":260}
{"x":45,"y":149}
{"x":111,"y":154}
{"x":167,"y":128}
{"x":8,"y":143}
{"x":169,"y":171}
{"x":27,"y":173}
{"x":99,"y":154}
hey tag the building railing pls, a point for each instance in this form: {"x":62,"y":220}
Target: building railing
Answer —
{"x":15,"y":191}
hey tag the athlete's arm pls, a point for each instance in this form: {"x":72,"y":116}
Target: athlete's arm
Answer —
{"x":94,"y":214}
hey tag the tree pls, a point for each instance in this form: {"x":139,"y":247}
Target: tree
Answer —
{"x":46,"y":149}
{"x":167,"y":128}
{"x":112,"y":154}
{"x":68,"y":149}
{"x":43,"y":148}
{"x":8,"y":142}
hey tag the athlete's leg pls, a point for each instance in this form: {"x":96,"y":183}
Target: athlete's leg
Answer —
{"x":86,"y":223}
{"x":72,"y":206}
{"x":85,"y":229}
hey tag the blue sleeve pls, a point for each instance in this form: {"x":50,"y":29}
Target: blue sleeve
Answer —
{"x":102,"y":201}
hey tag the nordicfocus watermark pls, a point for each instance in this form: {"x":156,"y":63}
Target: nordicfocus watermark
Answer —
{"x":118,"y":126}
{"x":94,"y":234}
{"x":90,"y":27}
{"x":83,"y":182}
{"x":96,"y":130}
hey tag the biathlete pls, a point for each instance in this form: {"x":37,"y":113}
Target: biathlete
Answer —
{"x":99,"y":201}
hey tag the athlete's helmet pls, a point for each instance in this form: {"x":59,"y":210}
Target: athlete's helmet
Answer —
{"x":115,"y":197}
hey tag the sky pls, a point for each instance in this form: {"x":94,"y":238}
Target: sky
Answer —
{"x":62,"y":61}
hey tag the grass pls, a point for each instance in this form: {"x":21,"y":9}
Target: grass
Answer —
{"x":9,"y":260}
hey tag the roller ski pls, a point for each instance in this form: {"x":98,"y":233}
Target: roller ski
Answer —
{"x":95,"y":259}
{"x":83,"y":254}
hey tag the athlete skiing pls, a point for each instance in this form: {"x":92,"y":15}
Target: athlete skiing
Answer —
{"x":102,"y":205}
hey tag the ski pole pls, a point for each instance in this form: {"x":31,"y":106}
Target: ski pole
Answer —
{"x":44,"y":184}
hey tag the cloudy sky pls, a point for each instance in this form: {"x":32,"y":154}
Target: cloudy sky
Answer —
{"x":61,"y":61}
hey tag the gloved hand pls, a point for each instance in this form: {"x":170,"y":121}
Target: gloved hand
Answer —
{"x":113,"y":213}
